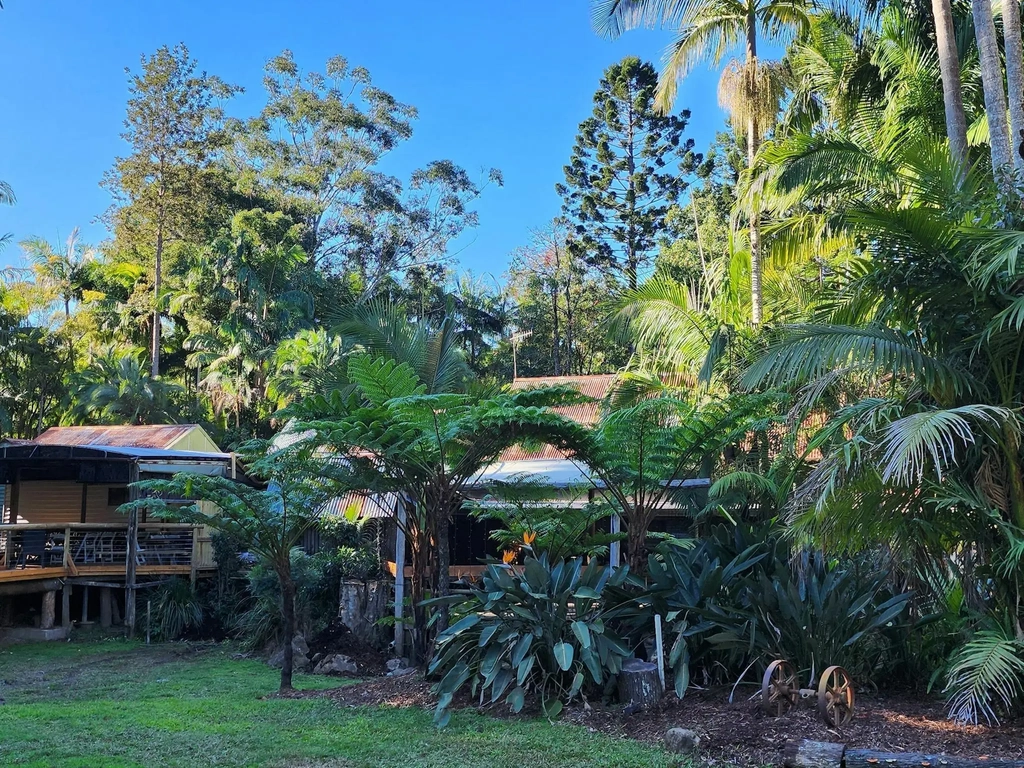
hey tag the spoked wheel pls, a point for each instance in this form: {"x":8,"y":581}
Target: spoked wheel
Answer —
{"x":835,"y":696}
{"x":780,"y":688}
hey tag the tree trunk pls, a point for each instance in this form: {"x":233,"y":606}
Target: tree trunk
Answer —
{"x":444,"y":557}
{"x":995,"y":96}
{"x":636,"y":544}
{"x":1014,"y":52}
{"x":638,"y":684}
{"x":284,"y":575}
{"x":952,"y":91}
{"x":822,"y":754}
{"x":417,"y":585}
{"x":155,"y":350}
{"x":756,"y":296}
{"x":555,"y":337}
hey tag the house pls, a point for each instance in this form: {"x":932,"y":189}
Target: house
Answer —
{"x":471,"y":541}
{"x":60,"y":529}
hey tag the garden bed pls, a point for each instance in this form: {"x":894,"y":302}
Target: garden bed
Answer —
{"x":740,"y":733}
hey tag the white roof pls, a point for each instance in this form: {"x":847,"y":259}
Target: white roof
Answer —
{"x":560,"y":473}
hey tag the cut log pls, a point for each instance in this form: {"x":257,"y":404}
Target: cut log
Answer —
{"x":362,"y":605}
{"x":638,"y":684}
{"x":818,"y":754}
{"x":812,"y":754}
{"x":870,"y":758}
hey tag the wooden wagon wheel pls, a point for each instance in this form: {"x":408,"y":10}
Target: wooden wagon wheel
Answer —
{"x":780,"y":688}
{"x":835,"y":696}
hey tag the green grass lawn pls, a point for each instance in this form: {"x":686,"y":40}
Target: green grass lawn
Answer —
{"x":113,"y":703}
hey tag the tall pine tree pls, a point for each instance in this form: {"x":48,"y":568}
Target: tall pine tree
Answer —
{"x":628,"y":166}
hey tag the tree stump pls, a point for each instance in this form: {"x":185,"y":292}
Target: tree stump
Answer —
{"x":817,"y":754}
{"x":362,"y":604}
{"x":638,"y":683}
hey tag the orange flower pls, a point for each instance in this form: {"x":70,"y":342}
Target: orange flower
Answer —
{"x":508,"y":556}
{"x":529,"y":537}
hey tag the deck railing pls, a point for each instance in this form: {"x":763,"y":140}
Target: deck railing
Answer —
{"x":94,"y":547}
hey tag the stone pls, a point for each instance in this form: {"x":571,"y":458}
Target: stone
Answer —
{"x":395,"y":664}
{"x":300,"y":657}
{"x":681,"y":740}
{"x":336,"y":664}
{"x":316,"y":659}
{"x":402,"y":672}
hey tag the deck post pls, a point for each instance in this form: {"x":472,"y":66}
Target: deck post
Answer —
{"x":194,"y":559}
{"x":85,"y":605}
{"x":49,"y":610}
{"x":133,"y":551}
{"x":65,"y":606}
{"x":105,"y":607}
{"x":399,"y":578}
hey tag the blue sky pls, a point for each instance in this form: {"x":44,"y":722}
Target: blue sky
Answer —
{"x":497,"y":84}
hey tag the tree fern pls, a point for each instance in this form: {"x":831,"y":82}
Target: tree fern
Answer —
{"x":986,"y":675}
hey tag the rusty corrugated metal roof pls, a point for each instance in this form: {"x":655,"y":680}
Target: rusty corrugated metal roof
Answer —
{"x":128,"y":436}
{"x":597,"y":387}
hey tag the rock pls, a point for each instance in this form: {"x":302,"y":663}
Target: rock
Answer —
{"x":681,"y":740}
{"x":300,"y":657}
{"x":396,"y":664}
{"x":336,"y":664}
{"x":402,"y":672}
{"x":316,"y":659}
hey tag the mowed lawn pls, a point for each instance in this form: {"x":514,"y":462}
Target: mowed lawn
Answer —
{"x":113,"y":703}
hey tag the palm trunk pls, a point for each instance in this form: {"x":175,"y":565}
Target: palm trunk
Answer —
{"x":284,"y":576}
{"x":995,"y":96}
{"x":636,"y":543}
{"x":756,"y":296}
{"x":1014,"y":52}
{"x":417,"y":593}
{"x":952,"y":91}
{"x":444,"y":557}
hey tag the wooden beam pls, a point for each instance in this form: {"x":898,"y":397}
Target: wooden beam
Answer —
{"x":399,"y":578}
{"x":105,"y":607}
{"x":65,"y":606}
{"x":85,"y":500}
{"x":133,"y":551}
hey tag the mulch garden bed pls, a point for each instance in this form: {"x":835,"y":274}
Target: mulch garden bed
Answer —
{"x":337,"y":638}
{"x":739,"y":732}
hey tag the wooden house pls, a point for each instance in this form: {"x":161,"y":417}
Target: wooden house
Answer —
{"x":60,"y":529}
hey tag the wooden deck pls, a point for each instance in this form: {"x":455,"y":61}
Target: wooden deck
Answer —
{"x":39,"y":551}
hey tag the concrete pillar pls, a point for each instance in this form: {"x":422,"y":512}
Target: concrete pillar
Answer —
{"x":49,"y":610}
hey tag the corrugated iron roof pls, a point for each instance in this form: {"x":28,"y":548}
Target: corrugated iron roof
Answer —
{"x":362,"y":505}
{"x":597,"y":387}
{"x":127,"y":436}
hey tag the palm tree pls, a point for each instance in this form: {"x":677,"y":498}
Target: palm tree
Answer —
{"x":117,"y":388}
{"x":952,"y":94}
{"x":708,"y":30}
{"x":1013,"y":47}
{"x":62,"y":271}
{"x":995,"y":96}
{"x":6,"y":198}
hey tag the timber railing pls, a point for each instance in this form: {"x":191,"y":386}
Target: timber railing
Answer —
{"x":38,"y":550}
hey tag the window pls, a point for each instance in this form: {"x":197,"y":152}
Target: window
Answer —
{"x":117,"y":496}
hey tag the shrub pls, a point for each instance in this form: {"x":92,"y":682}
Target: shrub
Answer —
{"x":176,"y":610}
{"x":536,"y":630}
{"x":735,"y":601}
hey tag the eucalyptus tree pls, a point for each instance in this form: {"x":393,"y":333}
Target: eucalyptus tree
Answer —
{"x":628,"y":167}
{"x":162,"y":191}
{"x":709,"y":30}
{"x":952,"y":87}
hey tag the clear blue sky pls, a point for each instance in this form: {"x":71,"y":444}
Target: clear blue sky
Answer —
{"x":497,"y":84}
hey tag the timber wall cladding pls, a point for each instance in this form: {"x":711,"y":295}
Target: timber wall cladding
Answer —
{"x":61,"y":502}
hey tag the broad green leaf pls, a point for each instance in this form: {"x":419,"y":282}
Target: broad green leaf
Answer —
{"x":564,"y":654}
